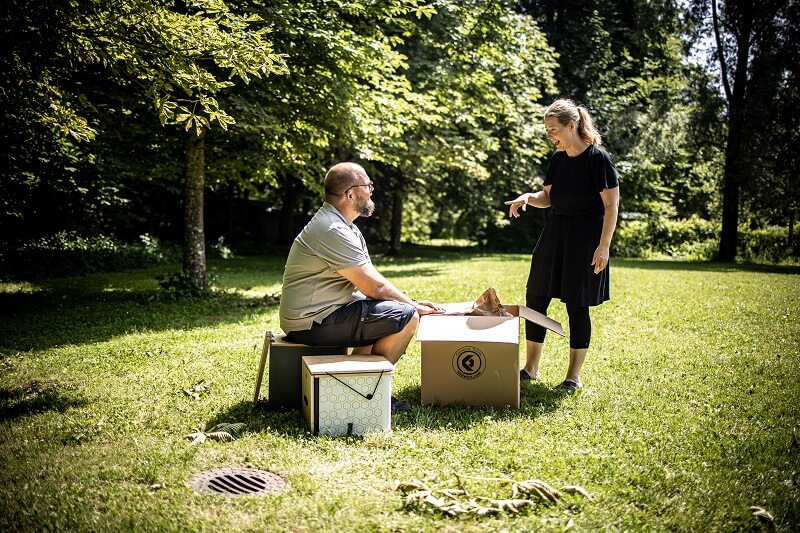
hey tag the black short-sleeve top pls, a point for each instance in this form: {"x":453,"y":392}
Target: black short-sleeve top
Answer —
{"x":577,"y":181}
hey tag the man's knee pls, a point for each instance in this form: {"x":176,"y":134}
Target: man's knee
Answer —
{"x":412,"y":325}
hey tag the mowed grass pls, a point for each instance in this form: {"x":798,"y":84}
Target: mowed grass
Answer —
{"x":690,"y":413}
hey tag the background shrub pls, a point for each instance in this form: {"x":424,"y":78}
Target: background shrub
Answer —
{"x":67,"y":254}
{"x":698,"y":239}
{"x":769,"y":245}
{"x":691,"y":239}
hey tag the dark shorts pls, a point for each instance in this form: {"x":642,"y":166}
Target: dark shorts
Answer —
{"x":358,"y":323}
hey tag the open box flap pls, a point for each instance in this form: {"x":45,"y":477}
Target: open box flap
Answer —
{"x":538,"y":318}
{"x":468,"y":328}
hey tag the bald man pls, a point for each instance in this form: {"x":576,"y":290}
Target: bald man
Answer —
{"x":332,"y":293}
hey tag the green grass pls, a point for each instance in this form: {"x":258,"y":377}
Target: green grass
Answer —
{"x":690,"y":412}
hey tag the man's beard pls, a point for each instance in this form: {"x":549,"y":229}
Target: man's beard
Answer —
{"x":365,"y":207}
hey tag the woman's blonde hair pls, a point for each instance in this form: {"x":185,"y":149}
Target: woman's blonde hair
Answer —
{"x":564,"y":111}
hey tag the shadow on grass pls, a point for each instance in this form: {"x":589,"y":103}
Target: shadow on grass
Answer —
{"x":536,"y":400}
{"x":97,"y":308}
{"x":262,"y":418}
{"x":36,"y":396}
{"x":398,"y":272}
{"x":56,"y":317}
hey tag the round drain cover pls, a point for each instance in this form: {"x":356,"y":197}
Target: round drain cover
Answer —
{"x":237,"y":482}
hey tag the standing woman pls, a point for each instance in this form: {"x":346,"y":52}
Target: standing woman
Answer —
{"x":570,"y":261}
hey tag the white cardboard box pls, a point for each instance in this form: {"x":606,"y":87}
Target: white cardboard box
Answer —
{"x":474,"y":360}
{"x":345,"y":395}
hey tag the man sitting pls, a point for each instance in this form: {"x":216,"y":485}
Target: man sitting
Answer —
{"x":332,"y":293}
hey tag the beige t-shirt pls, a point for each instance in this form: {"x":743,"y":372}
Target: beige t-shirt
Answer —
{"x":312,"y":285}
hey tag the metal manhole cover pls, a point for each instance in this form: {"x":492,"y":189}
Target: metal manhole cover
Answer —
{"x":237,"y":482}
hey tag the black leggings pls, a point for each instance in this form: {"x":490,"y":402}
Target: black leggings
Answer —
{"x":580,"y":325}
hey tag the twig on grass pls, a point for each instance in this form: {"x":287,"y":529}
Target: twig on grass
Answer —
{"x":223,"y":432}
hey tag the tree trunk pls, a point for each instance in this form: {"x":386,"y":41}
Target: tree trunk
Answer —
{"x":735,"y":160}
{"x":395,"y":247}
{"x":729,"y":236}
{"x":286,"y":227}
{"x":194,"y":242}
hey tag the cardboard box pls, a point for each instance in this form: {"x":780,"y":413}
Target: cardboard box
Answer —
{"x":344,"y":395}
{"x":474,"y":360}
{"x":285,"y":369}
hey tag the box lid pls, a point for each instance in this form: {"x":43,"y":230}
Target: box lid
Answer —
{"x":347,"y":364}
{"x":500,"y":329}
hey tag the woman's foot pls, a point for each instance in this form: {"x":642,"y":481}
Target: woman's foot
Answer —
{"x":569,"y":385}
{"x":524,"y":376}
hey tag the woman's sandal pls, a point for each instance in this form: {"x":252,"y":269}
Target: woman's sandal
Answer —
{"x":569,"y":386}
{"x":524,"y":376}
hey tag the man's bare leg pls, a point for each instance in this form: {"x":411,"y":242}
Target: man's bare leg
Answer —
{"x":392,"y":347}
{"x":362,"y":350}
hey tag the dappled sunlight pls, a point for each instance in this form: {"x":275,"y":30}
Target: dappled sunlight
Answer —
{"x":22,"y":287}
{"x":254,"y":292}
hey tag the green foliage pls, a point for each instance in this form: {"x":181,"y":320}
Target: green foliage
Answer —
{"x":182,"y":286}
{"x":464,"y":119}
{"x":659,"y":116}
{"x":768,"y":245}
{"x":697,"y":239}
{"x":692,"y":239}
{"x":442,"y":100}
{"x":514,"y":235}
{"x":67,"y":254}
{"x":169,"y":51}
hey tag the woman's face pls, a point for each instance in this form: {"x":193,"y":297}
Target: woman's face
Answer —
{"x":557,"y":133}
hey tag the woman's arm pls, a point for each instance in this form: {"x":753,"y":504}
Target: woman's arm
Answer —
{"x":611,"y":202}
{"x":536,"y":199}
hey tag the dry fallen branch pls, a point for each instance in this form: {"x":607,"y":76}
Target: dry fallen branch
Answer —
{"x":456,"y":501}
{"x":574,"y":489}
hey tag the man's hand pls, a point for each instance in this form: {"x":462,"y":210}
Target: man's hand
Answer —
{"x":425,"y":307}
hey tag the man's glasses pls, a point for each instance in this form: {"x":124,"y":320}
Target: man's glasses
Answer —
{"x":370,"y":185}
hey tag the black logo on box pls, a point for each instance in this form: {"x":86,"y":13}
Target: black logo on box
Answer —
{"x":469,"y":362}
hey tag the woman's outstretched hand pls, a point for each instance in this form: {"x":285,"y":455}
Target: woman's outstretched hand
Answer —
{"x":521,"y":201}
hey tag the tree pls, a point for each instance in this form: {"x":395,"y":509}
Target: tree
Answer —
{"x":624,"y":61}
{"x":746,"y":34}
{"x":340,"y":58}
{"x":174,"y":54}
{"x":470,"y":88}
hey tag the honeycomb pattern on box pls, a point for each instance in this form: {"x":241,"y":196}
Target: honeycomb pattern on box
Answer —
{"x":340,"y":406}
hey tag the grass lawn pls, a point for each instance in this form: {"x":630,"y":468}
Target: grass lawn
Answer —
{"x":689,"y":416}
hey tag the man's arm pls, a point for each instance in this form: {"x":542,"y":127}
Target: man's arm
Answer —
{"x":372,"y":284}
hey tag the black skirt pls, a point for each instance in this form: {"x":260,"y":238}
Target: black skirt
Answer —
{"x":561,"y":266}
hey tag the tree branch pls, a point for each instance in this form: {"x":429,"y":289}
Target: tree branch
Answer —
{"x":723,"y":66}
